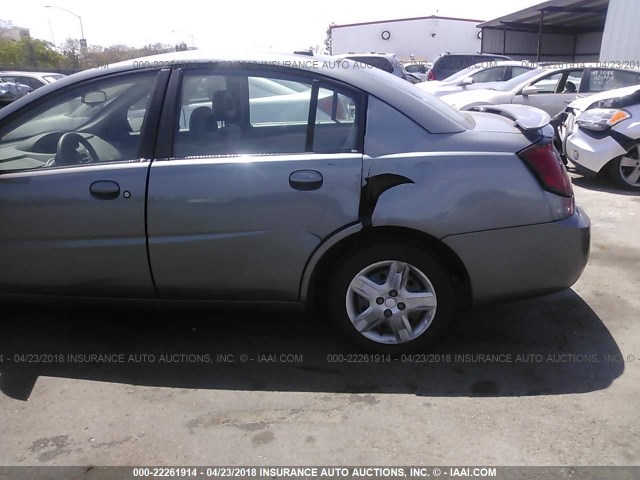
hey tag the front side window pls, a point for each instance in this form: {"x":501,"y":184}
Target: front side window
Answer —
{"x":93,"y":123}
{"x":548,"y":84}
{"x":264,"y":114}
{"x":572,"y":83}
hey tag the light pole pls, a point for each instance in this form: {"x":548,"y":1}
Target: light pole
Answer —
{"x":83,"y":41}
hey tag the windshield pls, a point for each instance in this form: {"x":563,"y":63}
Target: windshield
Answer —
{"x":515,"y":81}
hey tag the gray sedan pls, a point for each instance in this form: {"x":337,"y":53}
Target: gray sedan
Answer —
{"x":550,"y":89}
{"x":176,"y":178}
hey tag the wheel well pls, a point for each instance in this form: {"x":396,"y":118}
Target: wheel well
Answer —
{"x":459,"y":275}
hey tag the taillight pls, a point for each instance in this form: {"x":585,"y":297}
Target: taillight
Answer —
{"x":431,"y":75}
{"x":546,"y":164}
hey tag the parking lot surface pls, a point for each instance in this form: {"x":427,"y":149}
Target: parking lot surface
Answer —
{"x":547,"y":381}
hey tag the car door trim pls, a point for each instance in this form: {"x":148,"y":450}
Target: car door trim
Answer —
{"x":149,"y":132}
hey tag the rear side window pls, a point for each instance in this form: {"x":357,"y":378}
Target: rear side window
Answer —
{"x":601,"y":80}
{"x":264,"y":114}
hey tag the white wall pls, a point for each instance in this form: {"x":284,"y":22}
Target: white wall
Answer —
{"x":409,"y":37}
{"x":621,"y":40}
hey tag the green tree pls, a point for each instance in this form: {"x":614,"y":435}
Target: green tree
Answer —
{"x":328,"y":41}
{"x":29,"y":53}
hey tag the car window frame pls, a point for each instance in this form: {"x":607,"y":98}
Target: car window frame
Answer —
{"x":169,"y":121}
{"x":148,"y":133}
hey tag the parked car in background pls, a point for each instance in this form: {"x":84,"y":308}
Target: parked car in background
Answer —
{"x":601,"y":135}
{"x":387,"y":62}
{"x":33,"y":80}
{"x":279,"y":207}
{"x":483,"y":75}
{"x":419,"y":69}
{"x":449,"y":63}
{"x":547,"y":88}
{"x":11,"y":91}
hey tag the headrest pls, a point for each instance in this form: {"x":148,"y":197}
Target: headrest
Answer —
{"x":223,"y":107}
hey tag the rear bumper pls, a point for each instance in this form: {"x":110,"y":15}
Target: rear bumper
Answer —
{"x":524,"y":261}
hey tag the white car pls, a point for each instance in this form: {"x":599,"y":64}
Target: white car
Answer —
{"x":419,"y":70}
{"x":550,"y":88}
{"x":601,"y":134}
{"x":33,"y":80}
{"x":481,"y":75}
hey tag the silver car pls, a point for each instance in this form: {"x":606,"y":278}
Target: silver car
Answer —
{"x":483,"y":75}
{"x":548,"y":88}
{"x":382,"y":205}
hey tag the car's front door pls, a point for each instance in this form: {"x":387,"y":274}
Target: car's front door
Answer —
{"x":553,"y":92}
{"x":257,"y":178}
{"x":72,"y":190}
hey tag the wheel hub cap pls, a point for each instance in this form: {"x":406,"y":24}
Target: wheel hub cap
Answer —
{"x":391,"y":302}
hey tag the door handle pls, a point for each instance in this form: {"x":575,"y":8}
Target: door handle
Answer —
{"x":104,"y":190}
{"x":305,"y":180}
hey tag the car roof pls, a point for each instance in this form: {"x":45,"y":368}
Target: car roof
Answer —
{"x":29,"y":74}
{"x":500,"y":63}
{"x":564,"y":66}
{"x":546,"y":69}
{"x":475,"y":54}
{"x":429,"y":112}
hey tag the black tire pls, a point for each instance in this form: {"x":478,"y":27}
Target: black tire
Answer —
{"x":615,"y":173}
{"x":435,"y":272}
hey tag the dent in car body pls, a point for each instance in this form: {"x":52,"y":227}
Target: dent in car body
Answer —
{"x":467,"y":182}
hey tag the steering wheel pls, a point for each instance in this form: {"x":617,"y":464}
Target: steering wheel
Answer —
{"x":67,"y":150}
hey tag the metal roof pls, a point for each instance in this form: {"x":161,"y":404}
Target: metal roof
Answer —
{"x":410,"y":19}
{"x":560,"y":16}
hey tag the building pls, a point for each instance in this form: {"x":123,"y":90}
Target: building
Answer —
{"x":568,"y":30}
{"x":621,"y":38}
{"x":419,"y":38}
{"x":16,"y":34}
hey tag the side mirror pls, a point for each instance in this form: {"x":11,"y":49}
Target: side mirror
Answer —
{"x":530,"y":90}
{"x":465,"y":82}
{"x":94,"y":98}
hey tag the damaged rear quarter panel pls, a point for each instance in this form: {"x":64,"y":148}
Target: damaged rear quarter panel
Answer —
{"x":455,"y":183}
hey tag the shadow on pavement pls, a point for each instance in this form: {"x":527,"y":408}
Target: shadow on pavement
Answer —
{"x":546,"y":346}
{"x":599,"y":184}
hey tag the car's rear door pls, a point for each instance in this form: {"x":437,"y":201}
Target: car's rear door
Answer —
{"x":250,"y":184}
{"x":74,"y":223}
